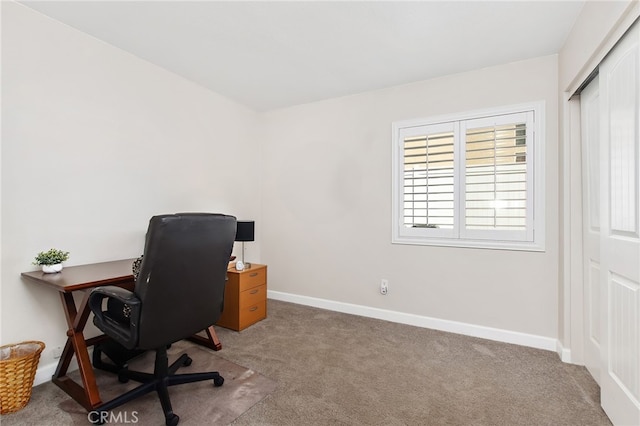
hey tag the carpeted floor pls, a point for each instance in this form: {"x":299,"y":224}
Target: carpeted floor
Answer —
{"x":339,"y":369}
{"x":196,"y":403}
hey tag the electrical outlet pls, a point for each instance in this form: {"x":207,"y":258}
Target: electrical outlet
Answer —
{"x":57,"y":352}
{"x":384,"y":286}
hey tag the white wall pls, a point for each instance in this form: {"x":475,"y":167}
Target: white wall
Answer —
{"x":94,"y":142}
{"x":326,"y":209}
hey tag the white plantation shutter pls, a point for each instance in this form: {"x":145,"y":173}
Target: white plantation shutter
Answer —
{"x":470,"y":182}
{"x":497,"y":177}
{"x":428,"y":179}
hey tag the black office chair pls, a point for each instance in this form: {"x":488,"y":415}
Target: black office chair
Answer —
{"x":179,"y":292}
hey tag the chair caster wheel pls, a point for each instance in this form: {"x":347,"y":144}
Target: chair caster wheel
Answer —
{"x":173,"y":420}
{"x":122,"y":378}
{"x":187,"y":362}
{"x":218,"y":381}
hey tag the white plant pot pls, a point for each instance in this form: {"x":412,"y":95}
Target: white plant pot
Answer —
{"x":51,"y":269}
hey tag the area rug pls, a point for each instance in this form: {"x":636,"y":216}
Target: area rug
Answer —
{"x":195,"y":403}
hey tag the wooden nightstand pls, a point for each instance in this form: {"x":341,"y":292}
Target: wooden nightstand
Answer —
{"x":245,"y":297}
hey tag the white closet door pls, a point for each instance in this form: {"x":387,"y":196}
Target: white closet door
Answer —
{"x":590,"y":129}
{"x":620,"y":234}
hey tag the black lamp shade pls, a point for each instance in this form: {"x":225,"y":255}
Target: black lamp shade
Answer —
{"x":245,"y":230}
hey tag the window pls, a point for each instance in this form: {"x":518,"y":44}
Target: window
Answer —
{"x":473,"y":180}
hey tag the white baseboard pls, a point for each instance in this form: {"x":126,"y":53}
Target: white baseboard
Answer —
{"x":563,"y":353}
{"x":45,"y":372}
{"x":506,"y":336}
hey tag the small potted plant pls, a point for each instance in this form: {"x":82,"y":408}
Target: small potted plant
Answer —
{"x":51,"y":261}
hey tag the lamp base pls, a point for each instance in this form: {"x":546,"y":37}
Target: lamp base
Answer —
{"x":247,"y":265}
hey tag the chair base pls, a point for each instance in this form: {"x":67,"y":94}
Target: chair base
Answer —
{"x":162,"y":377}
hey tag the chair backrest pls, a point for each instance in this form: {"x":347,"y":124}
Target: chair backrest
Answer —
{"x":182,"y":276}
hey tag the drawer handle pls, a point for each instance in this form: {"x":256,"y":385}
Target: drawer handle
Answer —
{"x":255,"y":274}
{"x":254,"y":291}
{"x":253,"y":309}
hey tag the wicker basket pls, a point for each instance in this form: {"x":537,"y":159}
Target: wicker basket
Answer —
{"x":18,"y":364}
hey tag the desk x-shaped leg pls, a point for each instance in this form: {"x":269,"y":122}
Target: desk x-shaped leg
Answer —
{"x":86,"y":394}
{"x":211,"y":341}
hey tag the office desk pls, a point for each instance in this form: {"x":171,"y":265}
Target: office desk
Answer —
{"x":85,"y":277}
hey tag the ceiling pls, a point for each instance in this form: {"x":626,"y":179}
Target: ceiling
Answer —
{"x":270,"y":55}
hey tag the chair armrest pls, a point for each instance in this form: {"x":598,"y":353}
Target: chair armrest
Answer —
{"x":124,"y":333}
{"x":98,"y":294}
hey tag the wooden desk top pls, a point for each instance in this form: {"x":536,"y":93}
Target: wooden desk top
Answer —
{"x":81,"y":277}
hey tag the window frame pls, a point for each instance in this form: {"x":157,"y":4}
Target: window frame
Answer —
{"x":532,"y":239}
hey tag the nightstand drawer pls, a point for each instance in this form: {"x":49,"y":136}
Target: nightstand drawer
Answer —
{"x":253,"y":295}
{"x":252,"y":278}
{"x":252,"y":314}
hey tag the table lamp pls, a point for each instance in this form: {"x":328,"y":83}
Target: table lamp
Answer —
{"x":245,"y":231}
